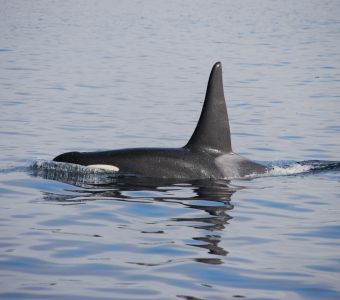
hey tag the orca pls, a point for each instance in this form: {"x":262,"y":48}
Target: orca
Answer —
{"x":208,"y":154}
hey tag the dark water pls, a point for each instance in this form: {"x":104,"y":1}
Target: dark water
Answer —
{"x":88,"y":76}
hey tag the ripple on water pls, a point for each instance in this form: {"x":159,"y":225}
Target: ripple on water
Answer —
{"x":107,"y":75}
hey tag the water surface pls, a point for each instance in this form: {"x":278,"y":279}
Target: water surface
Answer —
{"x":89,"y":76}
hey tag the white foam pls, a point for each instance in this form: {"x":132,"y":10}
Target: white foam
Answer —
{"x":74,"y":174}
{"x":283,"y":170}
{"x":289,"y":170}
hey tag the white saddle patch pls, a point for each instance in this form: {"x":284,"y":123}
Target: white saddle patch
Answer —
{"x":104,"y":167}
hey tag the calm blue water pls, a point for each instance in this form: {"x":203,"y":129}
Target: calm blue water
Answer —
{"x":93,"y":75}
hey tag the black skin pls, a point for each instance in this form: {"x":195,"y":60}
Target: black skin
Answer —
{"x":208,"y":154}
{"x":151,"y":162}
{"x":179,"y":163}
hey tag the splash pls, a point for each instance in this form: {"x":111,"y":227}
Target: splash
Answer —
{"x":46,"y":166}
{"x":293,"y":169}
{"x":286,"y":168}
{"x":72,"y":173}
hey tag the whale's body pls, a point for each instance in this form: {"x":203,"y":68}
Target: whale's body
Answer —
{"x":208,"y":154}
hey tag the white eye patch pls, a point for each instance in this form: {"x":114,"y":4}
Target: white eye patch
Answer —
{"x":104,"y":167}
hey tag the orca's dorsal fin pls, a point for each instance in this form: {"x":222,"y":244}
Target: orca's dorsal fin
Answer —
{"x":212,"y":131}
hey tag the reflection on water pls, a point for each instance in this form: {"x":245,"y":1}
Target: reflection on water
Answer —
{"x":210,"y":197}
{"x":125,"y":236}
{"x":207,"y":201}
